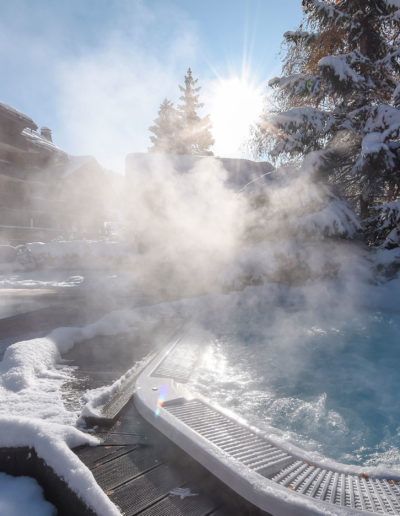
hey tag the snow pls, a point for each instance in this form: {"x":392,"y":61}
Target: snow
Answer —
{"x":392,"y":212}
{"x":297,"y":117}
{"x":43,"y":279}
{"x":383,"y":123}
{"x":296,"y":84}
{"x":23,"y":495}
{"x":32,"y":411}
{"x":373,"y":143}
{"x":329,"y":10}
{"x":96,"y":398}
{"x":396,"y":93}
{"x":388,"y":219}
{"x":39,"y":141}
{"x":382,"y":118}
{"x":340,"y":66}
{"x":53,"y":443}
{"x":62,"y":253}
{"x":393,"y":3}
{"x":31,"y":374}
{"x":14,"y":113}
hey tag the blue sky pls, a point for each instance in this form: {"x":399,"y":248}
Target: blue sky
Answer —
{"x":95,"y":71}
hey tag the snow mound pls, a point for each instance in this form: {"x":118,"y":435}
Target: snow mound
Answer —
{"x":53,"y":443}
{"x":23,"y":495}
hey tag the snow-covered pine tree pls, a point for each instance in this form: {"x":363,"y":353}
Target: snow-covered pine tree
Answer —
{"x":195,"y":136}
{"x":165,"y":129}
{"x":339,"y":95}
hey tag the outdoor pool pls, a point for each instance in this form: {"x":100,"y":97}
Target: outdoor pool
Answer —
{"x":327,"y":384}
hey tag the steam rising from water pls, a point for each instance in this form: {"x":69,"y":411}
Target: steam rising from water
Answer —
{"x":295,"y":350}
{"x":187,"y":226}
{"x":328,"y":384}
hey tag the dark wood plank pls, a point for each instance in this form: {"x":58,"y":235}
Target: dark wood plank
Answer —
{"x":95,"y":456}
{"x":144,"y":491}
{"x":125,"y":468}
{"x":123,"y":439}
{"x":197,"y":504}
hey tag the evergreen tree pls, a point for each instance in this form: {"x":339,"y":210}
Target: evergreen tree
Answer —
{"x":339,"y":95}
{"x":195,"y":136}
{"x":165,"y":129}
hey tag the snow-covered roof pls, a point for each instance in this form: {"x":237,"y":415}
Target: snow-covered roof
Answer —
{"x":11,"y":112}
{"x":38,"y":141}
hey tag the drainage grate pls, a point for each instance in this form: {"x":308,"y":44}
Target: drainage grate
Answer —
{"x":181,"y":361}
{"x":359,"y":492}
{"x":237,"y":441}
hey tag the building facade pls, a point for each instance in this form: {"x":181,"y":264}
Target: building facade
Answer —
{"x":44,"y":192}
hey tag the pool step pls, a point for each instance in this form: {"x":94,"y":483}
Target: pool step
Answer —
{"x":238,"y":442}
{"x":180,"y":364}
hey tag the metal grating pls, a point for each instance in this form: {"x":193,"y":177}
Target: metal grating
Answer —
{"x":379,"y":496}
{"x":180,"y":362}
{"x":237,"y":441}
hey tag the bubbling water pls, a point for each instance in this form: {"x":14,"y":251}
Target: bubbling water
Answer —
{"x":327,"y":386}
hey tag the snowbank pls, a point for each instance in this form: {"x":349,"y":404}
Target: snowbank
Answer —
{"x":32,"y":411}
{"x":53,"y":444}
{"x":95,"y":399}
{"x":23,"y":495}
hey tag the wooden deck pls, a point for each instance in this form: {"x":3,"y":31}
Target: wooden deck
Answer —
{"x":136,"y":466}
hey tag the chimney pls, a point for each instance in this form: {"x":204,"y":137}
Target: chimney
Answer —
{"x":45,"y":133}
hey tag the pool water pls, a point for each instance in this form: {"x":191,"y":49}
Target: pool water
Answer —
{"x":329,"y":386}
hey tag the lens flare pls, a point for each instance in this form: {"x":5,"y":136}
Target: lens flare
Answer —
{"x":162,"y":395}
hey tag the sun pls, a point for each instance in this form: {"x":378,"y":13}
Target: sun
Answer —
{"x":235,"y":104}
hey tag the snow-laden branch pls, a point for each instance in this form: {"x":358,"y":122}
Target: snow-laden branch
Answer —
{"x":341,"y":68}
{"x":393,"y":3}
{"x":328,"y":11}
{"x":298,"y":84}
{"x":319,"y":120}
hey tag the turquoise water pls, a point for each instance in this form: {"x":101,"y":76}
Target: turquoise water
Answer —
{"x":329,"y":386}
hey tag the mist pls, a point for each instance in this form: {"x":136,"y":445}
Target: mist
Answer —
{"x":157,"y":276}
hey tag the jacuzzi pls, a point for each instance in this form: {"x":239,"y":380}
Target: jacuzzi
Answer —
{"x":185,"y":393}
